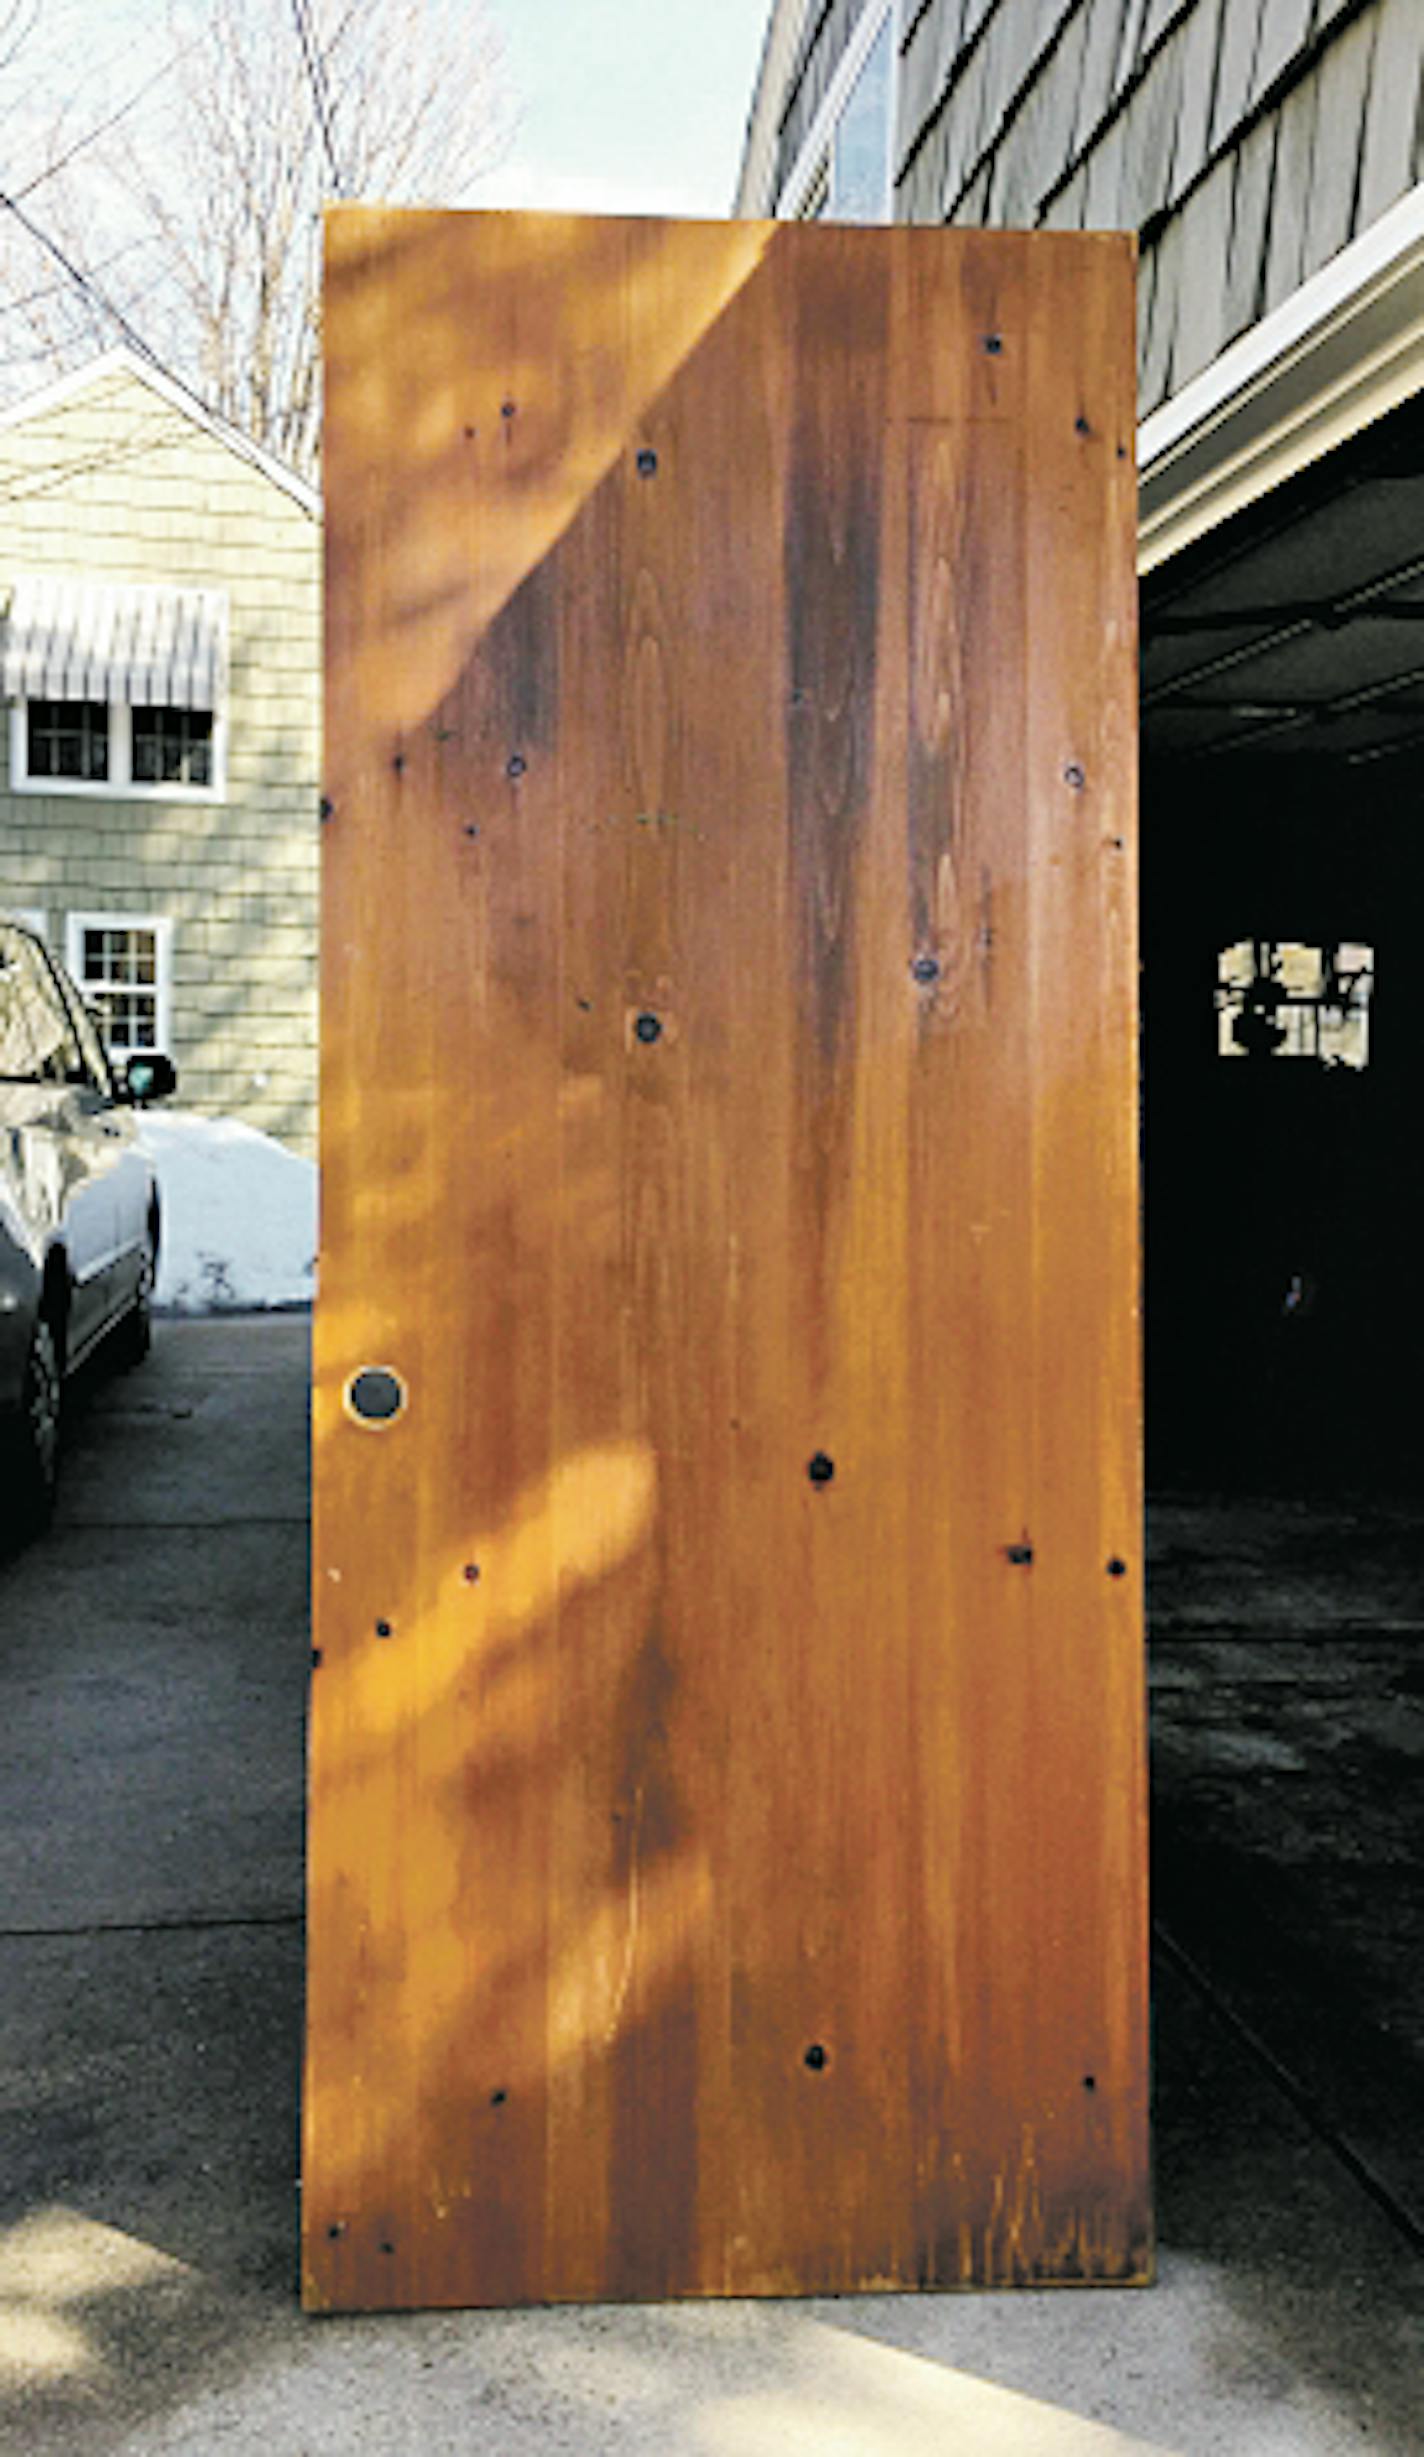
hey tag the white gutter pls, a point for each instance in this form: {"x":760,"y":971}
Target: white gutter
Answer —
{"x":1333,"y":357}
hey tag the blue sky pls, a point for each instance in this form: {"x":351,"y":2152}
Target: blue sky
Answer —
{"x":627,"y":106}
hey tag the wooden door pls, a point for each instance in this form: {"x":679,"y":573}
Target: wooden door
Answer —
{"x":727,"y":1850}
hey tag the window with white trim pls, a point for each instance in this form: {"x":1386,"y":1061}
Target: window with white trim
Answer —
{"x":88,"y":746}
{"x":171,"y":746}
{"x":116,"y":687}
{"x":845,"y":170}
{"x":122,"y":964}
{"x":67,"y":738}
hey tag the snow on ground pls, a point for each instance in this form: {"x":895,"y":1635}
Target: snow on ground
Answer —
{"x":239,"y":1214}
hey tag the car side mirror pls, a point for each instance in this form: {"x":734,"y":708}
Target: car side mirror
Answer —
{"x":148,"y":1078}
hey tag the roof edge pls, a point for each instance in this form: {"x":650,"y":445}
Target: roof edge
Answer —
{"x":1343,"y":349}
{"x":124,"y":360}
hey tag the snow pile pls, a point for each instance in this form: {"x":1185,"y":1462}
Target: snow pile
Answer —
{"x":239,"y":1214}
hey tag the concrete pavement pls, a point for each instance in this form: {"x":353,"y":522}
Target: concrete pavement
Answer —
{"x":153,"y":1664}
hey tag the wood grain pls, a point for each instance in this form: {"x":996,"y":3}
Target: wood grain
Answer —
{"x":727,"y":1858}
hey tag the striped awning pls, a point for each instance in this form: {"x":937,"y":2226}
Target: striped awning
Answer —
{"x":114,"y":640}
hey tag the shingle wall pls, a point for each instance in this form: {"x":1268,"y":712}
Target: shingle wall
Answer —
{"x":116,"y":482}
{"x":1246,"y":140}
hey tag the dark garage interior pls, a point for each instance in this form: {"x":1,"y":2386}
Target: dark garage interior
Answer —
{"x":1283,"y":744}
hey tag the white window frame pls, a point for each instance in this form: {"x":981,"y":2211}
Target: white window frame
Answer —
{"x":815,"y":150}
{"x":76,"y":924}
{"x":119,"y":784}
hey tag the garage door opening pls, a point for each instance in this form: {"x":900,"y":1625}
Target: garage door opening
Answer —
{"x":1283,"y":850}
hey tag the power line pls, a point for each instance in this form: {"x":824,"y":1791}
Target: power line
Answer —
{"x":91,"y":135}
{"x":86,"y":287}
{"x":59,"y":289}
{"x":105,"y":306}
{"x":316,"y":79}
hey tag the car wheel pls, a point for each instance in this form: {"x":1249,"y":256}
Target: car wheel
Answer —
{"x":36,"y":1436}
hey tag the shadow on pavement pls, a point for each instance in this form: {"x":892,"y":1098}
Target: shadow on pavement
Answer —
{"x":153,"y":1651}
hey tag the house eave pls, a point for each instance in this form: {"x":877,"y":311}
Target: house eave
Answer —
{"x":1343,"y":349}
{"x":123,"y":360}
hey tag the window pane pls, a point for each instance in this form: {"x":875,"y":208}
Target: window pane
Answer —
{"x":68,"y":738}
{"x":116,"y":970}
{"x":91,"y":1048}
{"x":861,"y":168}
{"x":1281,"y":999}
{"x":172,"y":746}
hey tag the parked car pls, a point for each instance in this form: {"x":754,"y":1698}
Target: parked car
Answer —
{"x":79,"y":1212}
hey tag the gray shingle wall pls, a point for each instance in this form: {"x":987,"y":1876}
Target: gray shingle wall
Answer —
{"x":1247,"y":140}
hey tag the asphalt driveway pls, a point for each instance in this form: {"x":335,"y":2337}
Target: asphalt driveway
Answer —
{"x":153,"y":1668}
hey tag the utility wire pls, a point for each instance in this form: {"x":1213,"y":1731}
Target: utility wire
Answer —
{"x":104,"y":305}
{"x":88,"y":289}
{"x":316,"y":79}
{"x":91,"y":135}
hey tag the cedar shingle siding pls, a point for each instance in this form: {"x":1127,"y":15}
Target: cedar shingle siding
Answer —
{"x":1246,"y":140}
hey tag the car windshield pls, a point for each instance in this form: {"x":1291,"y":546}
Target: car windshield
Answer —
{"x":37,"y":1040}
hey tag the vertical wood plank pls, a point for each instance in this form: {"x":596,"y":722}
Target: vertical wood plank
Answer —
{"x":1087,"y":1571}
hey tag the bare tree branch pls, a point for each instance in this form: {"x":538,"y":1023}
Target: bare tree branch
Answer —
{"x":415,"y":108}
{"x":208,"y":187}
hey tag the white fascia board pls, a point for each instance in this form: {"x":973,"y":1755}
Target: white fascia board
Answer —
{"x":122,"y":360}
{"x":1337,"y":354}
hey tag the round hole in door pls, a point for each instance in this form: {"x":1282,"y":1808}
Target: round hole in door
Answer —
{"x":375,"y":1396}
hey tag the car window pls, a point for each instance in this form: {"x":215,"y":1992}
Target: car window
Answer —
{"x":54,"y":1054}
{"x":18,"y":1060}
{"x":86,"y":1031}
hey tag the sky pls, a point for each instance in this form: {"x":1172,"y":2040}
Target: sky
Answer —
{"x":627,"y":106}
{"x":621,"y":106}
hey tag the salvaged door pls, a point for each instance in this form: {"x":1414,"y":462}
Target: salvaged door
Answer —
{"x":727,"y":1804}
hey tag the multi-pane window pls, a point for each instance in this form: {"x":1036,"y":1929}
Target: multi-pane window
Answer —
{"x":1280,"y":999}
{"x":69,"y":738}
{"x":94,"y":746}
{"x":114,"y":686}
{"x":172,"y":746}
{"x":121,"y":969}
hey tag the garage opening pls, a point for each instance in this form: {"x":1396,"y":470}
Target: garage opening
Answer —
{"x":1283,"y":842}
